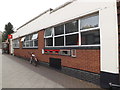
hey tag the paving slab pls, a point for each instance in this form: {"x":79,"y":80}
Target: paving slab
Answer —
{"x":19,"y":73}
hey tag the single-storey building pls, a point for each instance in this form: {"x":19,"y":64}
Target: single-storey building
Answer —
{"x":79,"y":38}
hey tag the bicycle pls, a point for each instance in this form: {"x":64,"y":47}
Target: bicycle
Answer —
{"x":33,"y":59}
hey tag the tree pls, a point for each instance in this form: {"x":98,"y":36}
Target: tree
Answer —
{"x":8,"y":31}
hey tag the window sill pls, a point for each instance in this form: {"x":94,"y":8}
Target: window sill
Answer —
{"x":16,"y":48}
{"x":76,"y":47}
{"x":29,"y":47}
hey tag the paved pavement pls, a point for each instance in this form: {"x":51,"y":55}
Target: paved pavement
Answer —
{"x":0,"y":69}
{"x":18,"y":73}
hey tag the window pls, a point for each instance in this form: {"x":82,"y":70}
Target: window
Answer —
{"x":49,"y":41}
{"x":59,"y":41}
{"x":48,"y":32}
{"x":91,"y":21}
{"x":59,"y":35}
{"x":90,"y":32}
{"x":36,"y":42}
{"x":30,"y":41}
{"x":48,"y":37}
{"x":71,"y":27}
{"x":72,"y":39}
{"x":27,"y":44}
{"x":82,"y":32}
{"x":72,"y":36}
{"x":34,"y":36}
{"x":90,"y":37}
{"x":23,"y":44}
{"x":16,"y":43}
{"x":27,"y":38}
{"x":66,"y":34}
{"x":59,"y":30}
{"x":31,"y":36}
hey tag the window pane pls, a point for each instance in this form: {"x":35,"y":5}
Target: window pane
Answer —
{"x":27,"y":44}
{"x":16,"y":43}
{"x":89,"y":21}
{"x":23,"y":44}
{"x":48,"y":32}
{"x":71,"y":27}
{"x":49,"y":41}
{"x":72,"y":39}
{"x":31,"y":43}
{"x":35,"y":36}
{"x":59,"y":30}
{"x":36,"y":42}
{"x":30,"y":36}
{"x":90,"y":37}
{"x":27,"y":38}
{"x":59,"y":41}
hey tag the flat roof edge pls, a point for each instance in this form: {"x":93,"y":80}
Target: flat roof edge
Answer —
{"x":35,"y":18}
{"x":51,"y":11}
{"x":63,"y":5}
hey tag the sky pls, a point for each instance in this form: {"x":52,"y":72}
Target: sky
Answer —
{"x":18,"y":12}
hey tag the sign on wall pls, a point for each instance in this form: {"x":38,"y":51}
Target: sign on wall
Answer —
{"x":9,"y":36}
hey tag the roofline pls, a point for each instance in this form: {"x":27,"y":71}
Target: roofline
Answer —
{"x":35,"y":18}
{"x":63,"y":5}
{"x":51,"y":11}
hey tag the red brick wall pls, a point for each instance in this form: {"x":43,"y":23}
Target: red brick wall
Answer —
{"x":88,"y":60}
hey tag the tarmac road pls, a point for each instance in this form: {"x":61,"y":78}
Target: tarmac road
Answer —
{"x":18,"y":73}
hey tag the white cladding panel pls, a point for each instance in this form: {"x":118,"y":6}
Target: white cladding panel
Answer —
{"x":76,"y":9}
{"x":109,"y":40}
{"x":108,"y":26}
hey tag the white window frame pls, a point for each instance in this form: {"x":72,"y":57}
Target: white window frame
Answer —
{"x":51,"y":28}
{"x":73,"y":33}
{"x":58,"y":37}
{"x":16,"y":43}
{"x":51,"y":36}
{"x":63,"y":30}
{"x":36,"y":34}
{"x":28,"y":41}
{"x":93,"y":29}
{"x":55,"y":36}
{"x":90,"y":29}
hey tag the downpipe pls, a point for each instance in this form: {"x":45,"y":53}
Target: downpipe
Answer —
{"x":114,"y":86}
